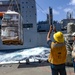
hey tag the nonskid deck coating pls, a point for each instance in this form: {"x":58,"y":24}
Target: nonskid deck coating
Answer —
{"x":30,"y":69}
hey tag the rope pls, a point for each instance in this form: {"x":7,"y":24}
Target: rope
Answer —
{"x":17,"y":6}
{"x":40,"y":8}
{"x":10,"y":4}
{"x":21,"y":28}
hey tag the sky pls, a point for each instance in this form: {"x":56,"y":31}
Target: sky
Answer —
{"x":60,"y":9}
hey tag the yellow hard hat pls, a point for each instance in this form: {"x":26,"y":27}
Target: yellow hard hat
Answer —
{"x":58,"y":36}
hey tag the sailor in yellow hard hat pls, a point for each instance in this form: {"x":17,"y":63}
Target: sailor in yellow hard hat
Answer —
{"x":59,"y":37}
{"x":58,"y":52}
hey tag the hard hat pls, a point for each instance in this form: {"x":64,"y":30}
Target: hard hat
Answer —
{"x":73,"y":34}
{"x":58,"y":36}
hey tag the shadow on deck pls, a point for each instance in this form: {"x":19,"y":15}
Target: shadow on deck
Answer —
{"x":33,"y":64}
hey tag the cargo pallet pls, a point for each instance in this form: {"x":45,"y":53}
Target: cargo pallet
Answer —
{"x":14,"y":42}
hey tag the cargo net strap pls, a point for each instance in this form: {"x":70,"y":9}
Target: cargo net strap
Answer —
{"x":11,"y":5}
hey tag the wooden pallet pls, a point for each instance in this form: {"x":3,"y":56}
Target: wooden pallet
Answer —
{"x":12,"y":42}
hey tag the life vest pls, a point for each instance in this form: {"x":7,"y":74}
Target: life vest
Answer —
{"x":58,"y":53}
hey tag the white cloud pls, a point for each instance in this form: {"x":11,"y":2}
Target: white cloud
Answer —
{"x":72,"y":2}
{"x":55,"y":12}
{"x":68,"y":10}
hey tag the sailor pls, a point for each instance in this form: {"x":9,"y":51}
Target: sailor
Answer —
{"x":58,"y":52}
{"x":73,"y":50}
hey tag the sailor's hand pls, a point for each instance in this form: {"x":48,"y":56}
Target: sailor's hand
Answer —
{"x":51,"y":28}
{"x":54,"y":29}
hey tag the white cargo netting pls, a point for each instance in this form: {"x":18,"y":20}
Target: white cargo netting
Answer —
{"x":11,"y":28}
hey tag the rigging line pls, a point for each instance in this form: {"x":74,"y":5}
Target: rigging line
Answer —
{"x":10,"y":4}
{"x":41,"y":11}
{"x":41,"y":8}
{"x":17,"y":6}
{"x":20,"y":16}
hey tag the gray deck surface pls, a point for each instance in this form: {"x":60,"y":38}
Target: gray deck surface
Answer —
{"x":30,"y":69}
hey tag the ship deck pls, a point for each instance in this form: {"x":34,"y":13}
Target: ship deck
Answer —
{"x":30,"y":69}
